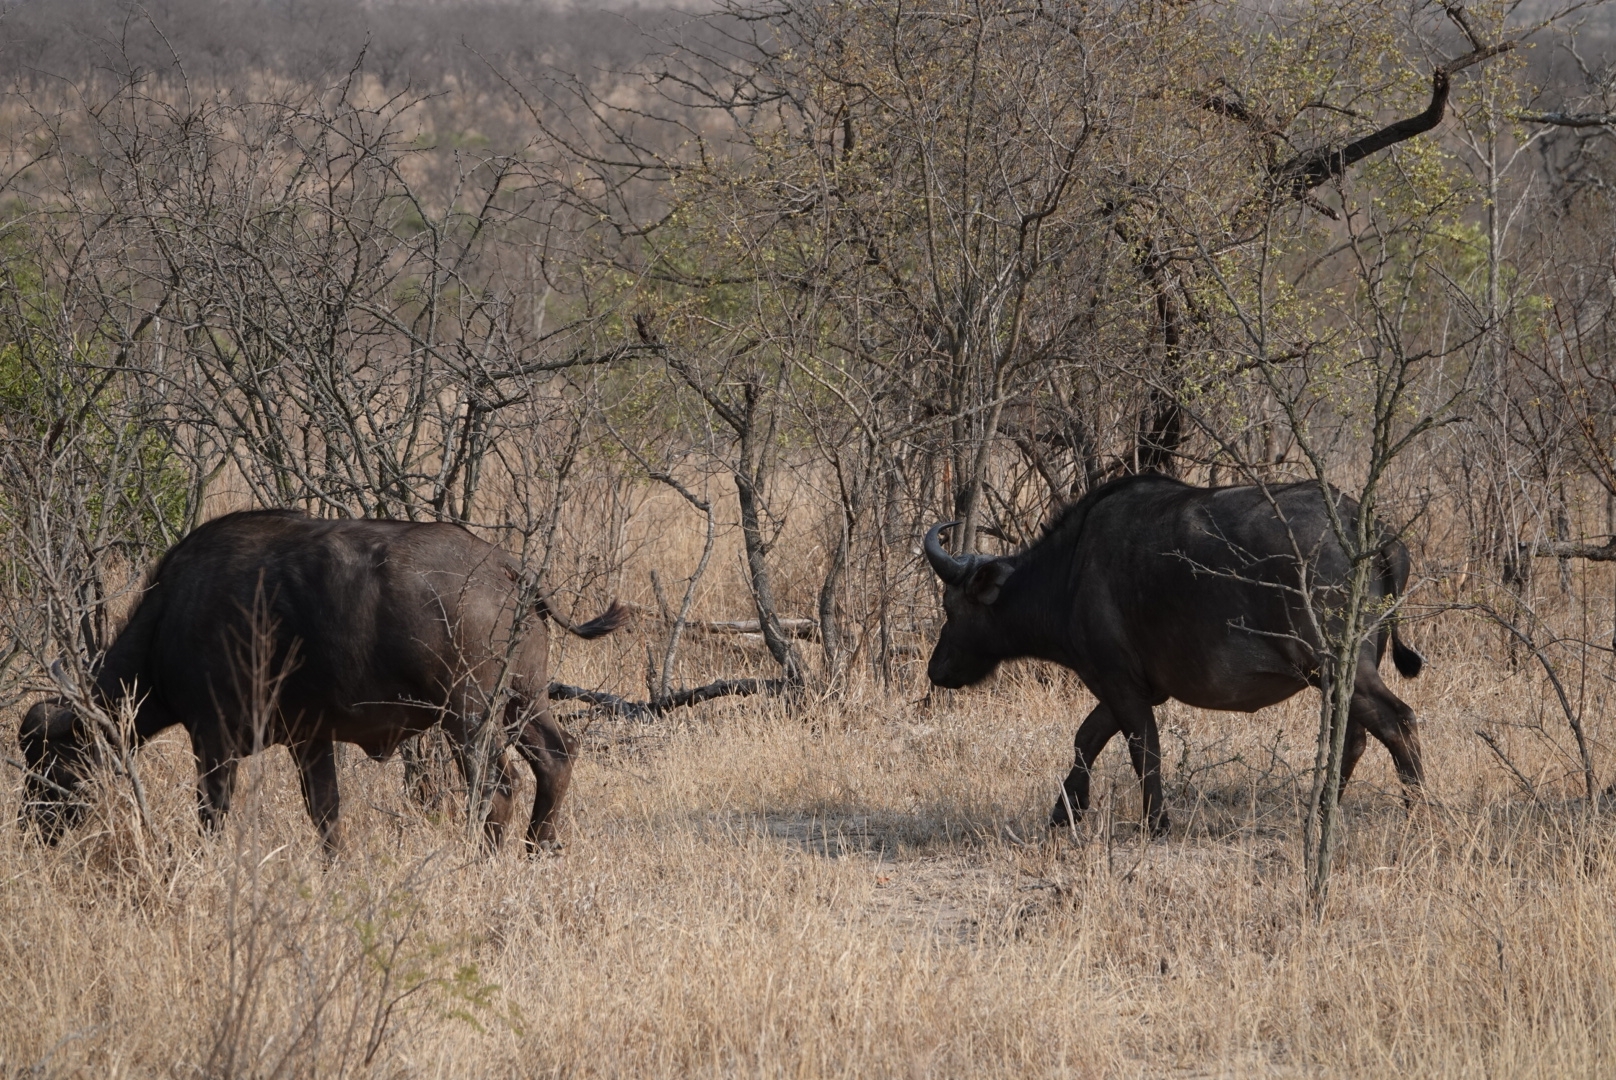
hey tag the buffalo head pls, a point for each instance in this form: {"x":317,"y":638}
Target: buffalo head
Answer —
{"x":59,"y":751}
{"x":973,"y":640}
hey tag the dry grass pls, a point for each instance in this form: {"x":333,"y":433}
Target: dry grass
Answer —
{"x":864,"y":888}
{"x":858,"y":887}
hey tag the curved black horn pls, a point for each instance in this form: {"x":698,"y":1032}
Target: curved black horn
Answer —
{"x":948,"y":568}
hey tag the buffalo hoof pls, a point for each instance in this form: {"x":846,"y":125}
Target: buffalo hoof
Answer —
{"x":1060,"y":818}
{"x":1159,"y":827}
{"x":546,"y":848}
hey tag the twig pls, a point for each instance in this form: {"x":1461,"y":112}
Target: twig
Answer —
{"x":1559,"y":689}
{"x":43,"y":779}
{"x":1571,"y":120}
{"x":1492,"y":744}
{"x":112,"y":732}
{"x":1570,"y":549}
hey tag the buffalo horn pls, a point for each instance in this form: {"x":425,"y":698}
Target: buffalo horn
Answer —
{"x":59,"y":673}
{"x":948,"y":568}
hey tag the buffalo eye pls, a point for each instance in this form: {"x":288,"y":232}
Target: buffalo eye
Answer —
{"x":986,"y":581}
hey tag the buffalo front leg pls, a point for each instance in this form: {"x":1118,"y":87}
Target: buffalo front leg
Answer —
{"x":549,"y":752}
{"x":317,"y":775}
{"x":215,"y":780}
{"x":1092,"y":735}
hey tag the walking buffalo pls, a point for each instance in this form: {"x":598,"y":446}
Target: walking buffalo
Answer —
{"x":1151,"y":589}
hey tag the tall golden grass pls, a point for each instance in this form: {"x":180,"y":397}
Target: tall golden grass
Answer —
{"x":858,"y":886}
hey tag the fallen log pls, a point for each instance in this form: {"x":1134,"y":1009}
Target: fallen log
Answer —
{"x":802,"y":629}
{"x":646,"y":711}
{"x":805,"y":629}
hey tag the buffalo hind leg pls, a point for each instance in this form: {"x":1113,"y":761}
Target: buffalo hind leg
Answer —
{"x":549,"y":752}
{"x":1138,"y":724}
{"x":1388,"y":718}
{"x":1136,"y":719}
{"x":317,"y":775}
{"x":1092,"y":735}
{"x":501,"y":801}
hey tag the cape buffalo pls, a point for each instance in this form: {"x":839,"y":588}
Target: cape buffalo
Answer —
{"x":1151,"y":589}
{"x":375,"y":630}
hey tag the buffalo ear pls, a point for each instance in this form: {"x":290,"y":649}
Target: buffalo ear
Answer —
{"x":987,"y":579}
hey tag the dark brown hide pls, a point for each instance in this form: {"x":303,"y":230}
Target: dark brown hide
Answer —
{"x":366,"y":632}
{"x":1151,"y":589}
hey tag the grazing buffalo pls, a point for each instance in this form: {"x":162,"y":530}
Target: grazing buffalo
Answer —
{"x":1151,"y":589}
{"x":269,"y":627}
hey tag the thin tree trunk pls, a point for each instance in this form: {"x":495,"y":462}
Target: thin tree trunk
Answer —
{"x":1161,"y":428}
{"x":851,"y":498}
{"x":1340,"y":678}
{"x":750,"y":488}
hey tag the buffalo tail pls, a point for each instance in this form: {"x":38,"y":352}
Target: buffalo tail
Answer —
{"x":1394,"y":568}
{"x":601,"y":625}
